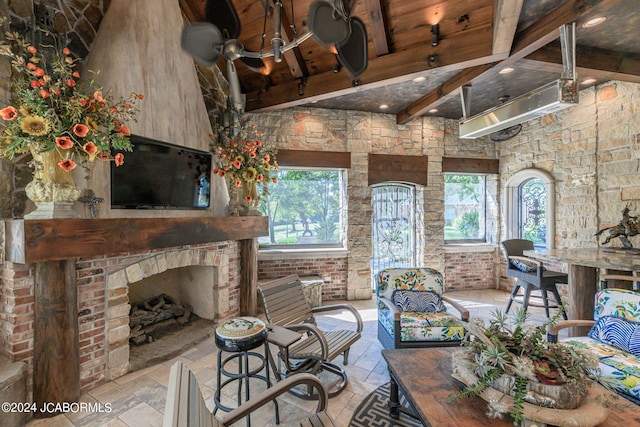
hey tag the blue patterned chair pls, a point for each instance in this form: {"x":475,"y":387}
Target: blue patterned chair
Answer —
{"x":411,"y":312}
{"x":614,"y":338}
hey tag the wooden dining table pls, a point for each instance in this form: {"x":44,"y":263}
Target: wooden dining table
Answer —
{"x":583,"y":267}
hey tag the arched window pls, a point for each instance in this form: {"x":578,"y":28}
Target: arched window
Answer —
{"x":530,"y":207}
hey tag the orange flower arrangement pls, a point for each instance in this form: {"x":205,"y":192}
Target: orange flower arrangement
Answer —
{"x":51,"y":110}
{"x":242,"y":156}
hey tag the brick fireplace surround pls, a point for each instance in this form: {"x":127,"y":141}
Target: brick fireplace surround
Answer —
{"x":100,"y":281}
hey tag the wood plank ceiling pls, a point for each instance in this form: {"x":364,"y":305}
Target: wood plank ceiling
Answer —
{"x":478,"y":38}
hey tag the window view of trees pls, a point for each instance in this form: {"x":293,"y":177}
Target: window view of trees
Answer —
{"x":464,"y":207}
{"x":304,"y":208}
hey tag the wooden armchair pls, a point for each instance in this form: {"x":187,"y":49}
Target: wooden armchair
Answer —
{"x":186,"y":407}
{"x":285,"y":305}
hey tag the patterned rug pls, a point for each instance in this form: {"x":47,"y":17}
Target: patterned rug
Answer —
{"x":374,"y":411}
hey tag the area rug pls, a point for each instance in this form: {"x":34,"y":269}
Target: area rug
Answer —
{"x":374,"y":411}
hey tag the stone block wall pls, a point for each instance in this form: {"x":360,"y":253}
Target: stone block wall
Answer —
{"x":592,"y":152}
{"x":361,"y":133}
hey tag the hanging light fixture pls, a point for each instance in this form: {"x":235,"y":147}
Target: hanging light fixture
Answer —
{"x":435,"y":35}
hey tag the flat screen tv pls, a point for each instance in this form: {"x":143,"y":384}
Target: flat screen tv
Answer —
{"x":159,"y":175}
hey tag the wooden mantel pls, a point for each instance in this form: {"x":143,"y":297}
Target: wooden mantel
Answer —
{"x":30,"y":241}
{"x":54,"y":245}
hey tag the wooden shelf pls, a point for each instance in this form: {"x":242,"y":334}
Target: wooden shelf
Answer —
{"x":30,"y":241}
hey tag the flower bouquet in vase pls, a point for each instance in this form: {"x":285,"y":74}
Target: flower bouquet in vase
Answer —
{"x":244,"y":160}
{"x":60,"y":120}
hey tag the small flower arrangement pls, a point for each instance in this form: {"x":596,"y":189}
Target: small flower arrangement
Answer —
{"x":53,"y":110}
{"x":243,"y":159}
{"x":520,"y":351}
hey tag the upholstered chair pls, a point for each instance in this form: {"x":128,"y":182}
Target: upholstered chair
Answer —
{"x":614,"y":338}
{"x":411,"y":309}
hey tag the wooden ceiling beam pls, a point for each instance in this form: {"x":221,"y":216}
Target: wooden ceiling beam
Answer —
{"x":590,"y":62}
{"x":505,"y":22}
{"x":466,"y":49}
{"x":377,"y":27}
{"x":547,"y":28}
{"x":528,"y":41}
{"x":438,"y":95}
{"x":293,"y":57}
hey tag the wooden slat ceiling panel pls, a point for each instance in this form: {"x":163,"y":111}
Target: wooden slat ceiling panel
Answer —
{"x":473,"y":33}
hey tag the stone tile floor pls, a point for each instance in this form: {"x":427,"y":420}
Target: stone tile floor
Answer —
{"x":138,"y":399}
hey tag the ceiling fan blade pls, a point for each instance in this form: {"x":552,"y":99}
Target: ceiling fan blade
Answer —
{"x":326,"y":24}
{"x":223,"y":15}
{"x":353,"y":52}
{"x":344,"y":6}
{"x":254,"y":64}
{"x":203,"y":41}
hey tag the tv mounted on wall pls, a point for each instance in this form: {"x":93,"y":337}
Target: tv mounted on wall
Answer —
{"x":159,"y":175}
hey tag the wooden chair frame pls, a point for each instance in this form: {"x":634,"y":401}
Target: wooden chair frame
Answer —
{"x":186,"y":407}
{"x":285,"y":305}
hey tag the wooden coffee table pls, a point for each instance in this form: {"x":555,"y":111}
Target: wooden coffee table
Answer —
{"x":423,"y":376}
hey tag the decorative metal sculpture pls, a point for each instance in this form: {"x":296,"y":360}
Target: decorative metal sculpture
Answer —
{"x":92,"y":201}
{"x":629,"y":226}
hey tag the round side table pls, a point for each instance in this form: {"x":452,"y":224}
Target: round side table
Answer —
{"x":239,"y":336}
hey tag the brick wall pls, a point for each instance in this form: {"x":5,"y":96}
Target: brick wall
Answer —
{"x":332,"y":270}
{"x":103,"y":303}
{"x":469,"y":270}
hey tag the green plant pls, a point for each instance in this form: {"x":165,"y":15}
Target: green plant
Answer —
{"x":514,"y":347}
{"x":468,"y":224}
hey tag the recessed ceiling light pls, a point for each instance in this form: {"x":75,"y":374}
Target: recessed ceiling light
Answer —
{"x":315,"y":101}
{"x":383,"y":106}
{"x":506,"y":70}
{"x":419,"y":79}
{"x":433,"y":110}
{"x":587,"y":81}
{"x":593,"y":22}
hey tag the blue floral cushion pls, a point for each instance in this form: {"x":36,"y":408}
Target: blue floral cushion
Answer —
{"x":523,"y":266}
{"x":421,"y":301}
{"x":618,"y":332}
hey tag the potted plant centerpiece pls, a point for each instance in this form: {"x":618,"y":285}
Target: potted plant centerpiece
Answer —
{"x":244,"y":160}
{"x":514,"y":357}
{"x":64,"y":122}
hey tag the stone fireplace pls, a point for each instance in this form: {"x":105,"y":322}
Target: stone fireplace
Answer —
{"x":209,"y":276}
{"x":65,"y":298}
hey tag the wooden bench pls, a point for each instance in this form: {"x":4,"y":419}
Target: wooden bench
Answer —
{"x":185,"y":406}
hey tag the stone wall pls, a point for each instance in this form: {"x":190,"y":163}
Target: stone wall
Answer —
{"x":361,"y":133}
{"x":592,"y":151}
